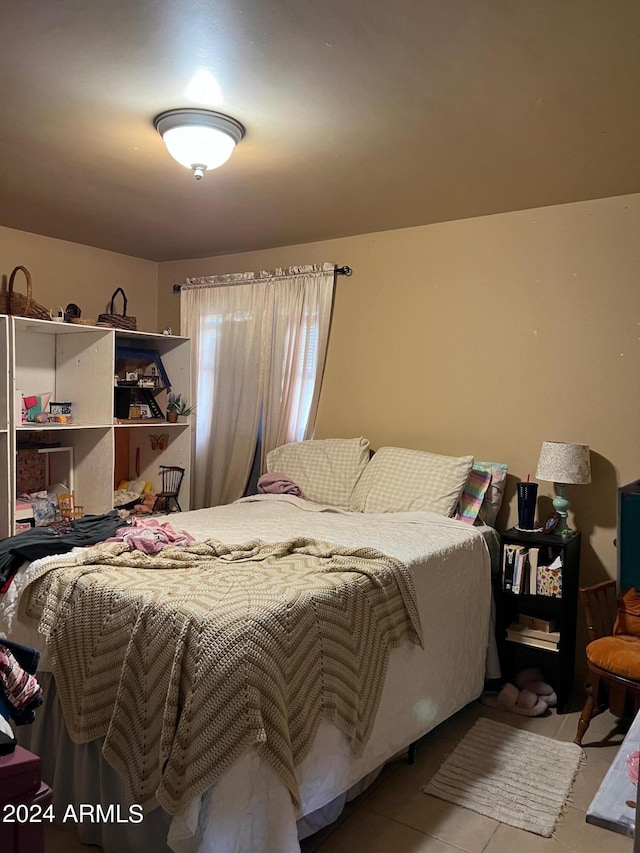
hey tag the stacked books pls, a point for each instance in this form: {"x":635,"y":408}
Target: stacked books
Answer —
{"x":539,"y":624}
{"x":520,"y":632}
{"x":522,"y":574}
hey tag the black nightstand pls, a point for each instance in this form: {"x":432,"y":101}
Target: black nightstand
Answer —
{"x":556,"y":662}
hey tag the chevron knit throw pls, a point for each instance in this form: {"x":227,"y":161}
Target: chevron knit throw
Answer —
{"x":185,"y":659}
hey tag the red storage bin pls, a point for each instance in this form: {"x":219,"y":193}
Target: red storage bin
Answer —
{"x":23,"y":803}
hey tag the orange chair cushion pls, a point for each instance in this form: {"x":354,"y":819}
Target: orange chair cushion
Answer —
{"x":618,"y":655}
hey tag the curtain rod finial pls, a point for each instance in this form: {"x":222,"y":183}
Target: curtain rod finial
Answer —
{"x":345,"y":270}
{"x":177,"y":288}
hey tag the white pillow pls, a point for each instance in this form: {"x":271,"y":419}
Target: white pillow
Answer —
{"x":325,"y":469}
{"x":401,"y":480}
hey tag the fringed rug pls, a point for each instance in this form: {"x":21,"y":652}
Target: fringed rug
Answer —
{"x":513,"y":776}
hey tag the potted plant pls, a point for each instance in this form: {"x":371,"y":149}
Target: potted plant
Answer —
{"x":177,"y":405}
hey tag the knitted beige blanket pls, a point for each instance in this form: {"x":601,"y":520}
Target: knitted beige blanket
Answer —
{"x":185,"y":659}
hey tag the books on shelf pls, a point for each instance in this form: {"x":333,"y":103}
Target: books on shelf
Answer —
{"x":519,"y":571}
{"x":523,"y":574}
{"x":509,"y":554}
{"x":538,"y":624}
{"x":533,"y":553}
{"x":518,"y":633}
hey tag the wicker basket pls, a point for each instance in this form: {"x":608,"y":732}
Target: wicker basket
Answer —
{"x":118,"y":321}
{"x":19,"y":305}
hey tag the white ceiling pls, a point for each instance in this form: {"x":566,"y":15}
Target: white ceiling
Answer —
{"x":361,"y":115}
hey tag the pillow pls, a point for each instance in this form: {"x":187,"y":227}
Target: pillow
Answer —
{"x":473,"y":494}
{"x":134,"y":486}
{"x":399,"y":480}
{"x":44,"y":510}
{"x":628,"y":616}
{"x":326,"y":470}
{"x":492,"y":500}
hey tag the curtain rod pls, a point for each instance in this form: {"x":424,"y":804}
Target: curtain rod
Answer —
{"x":345,"y":270}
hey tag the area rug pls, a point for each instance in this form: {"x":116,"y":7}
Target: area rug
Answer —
{"x":510,"y":775}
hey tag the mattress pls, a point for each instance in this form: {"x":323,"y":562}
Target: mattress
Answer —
{"x":248,"y":810}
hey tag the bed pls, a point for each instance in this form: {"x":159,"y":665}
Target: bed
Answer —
{"x":248,"y":808}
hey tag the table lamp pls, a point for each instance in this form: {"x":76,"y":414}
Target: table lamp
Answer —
{"x":563,"y":463}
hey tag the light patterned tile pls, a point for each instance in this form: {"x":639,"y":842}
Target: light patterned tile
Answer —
{"x":578,"y":836}
{"x":507,"y":839}
{"x":460,"y":827}
{"x":603,"y":732}
{"x":600,"y":746}
{"x":548,"y":724}
{"x":590,"y":775}
{"x":368,"y":832}
{"x":572,"y":835}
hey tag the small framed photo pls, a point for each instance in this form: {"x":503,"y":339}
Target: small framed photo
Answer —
{"x":551,"y":522}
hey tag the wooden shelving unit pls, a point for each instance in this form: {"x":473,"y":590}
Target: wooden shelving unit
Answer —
{"x":558,"y":664}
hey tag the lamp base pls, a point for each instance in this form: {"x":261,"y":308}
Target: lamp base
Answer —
{"x":561,"y":506}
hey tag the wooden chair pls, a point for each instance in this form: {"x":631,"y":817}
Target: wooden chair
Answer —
{"x":67,"y":506}
{"x":613,"y":661}
{"x":172,"y":476}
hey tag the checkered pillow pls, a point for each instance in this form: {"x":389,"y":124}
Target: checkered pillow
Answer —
{"x":473,"y":494}
{"x":400,"y":480}
{"x":325,"y":469}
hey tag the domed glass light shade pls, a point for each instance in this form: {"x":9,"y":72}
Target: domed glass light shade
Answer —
{"x":199,"y":139}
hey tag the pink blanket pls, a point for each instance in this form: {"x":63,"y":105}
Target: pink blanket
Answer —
{"x":278,"y":484}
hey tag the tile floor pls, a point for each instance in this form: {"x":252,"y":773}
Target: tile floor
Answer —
{"x":394,"y":816}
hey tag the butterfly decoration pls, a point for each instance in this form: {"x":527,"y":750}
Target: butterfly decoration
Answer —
{"x":159,"y":442}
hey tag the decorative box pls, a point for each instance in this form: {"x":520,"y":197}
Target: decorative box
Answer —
{"x":60,"y":408}
{"x":19,"y":775}
{"x":60,"y":413}
{"x":549,"y":581}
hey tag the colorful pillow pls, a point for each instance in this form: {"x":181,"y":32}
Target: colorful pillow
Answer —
{"x":401,"y":480}
{"x":326,"y":470}
{"x":492,"y":500}
{"x":473,"y":494}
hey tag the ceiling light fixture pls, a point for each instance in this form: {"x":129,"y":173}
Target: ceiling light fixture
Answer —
{"x":199,"y":139}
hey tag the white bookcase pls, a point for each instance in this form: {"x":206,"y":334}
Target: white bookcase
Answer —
{"x":77,"y":364}
{"x":7,"y":501}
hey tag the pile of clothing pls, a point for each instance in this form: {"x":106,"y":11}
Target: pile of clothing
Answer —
{"x":20,"y":693}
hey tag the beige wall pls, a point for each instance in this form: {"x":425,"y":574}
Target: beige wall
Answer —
{"x":486,"y":336}
{"x":64,"y":272}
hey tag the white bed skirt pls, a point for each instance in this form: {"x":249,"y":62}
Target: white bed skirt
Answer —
{"x":249,"y":809}
{"x":78,"y":774}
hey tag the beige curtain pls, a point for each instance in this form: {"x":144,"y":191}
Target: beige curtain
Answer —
{"x":225,"y":324}
{"x":259,"y":345}
{"x":302,"y":300}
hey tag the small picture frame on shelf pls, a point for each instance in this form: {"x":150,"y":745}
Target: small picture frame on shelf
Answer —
{"x":551,"y":522}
